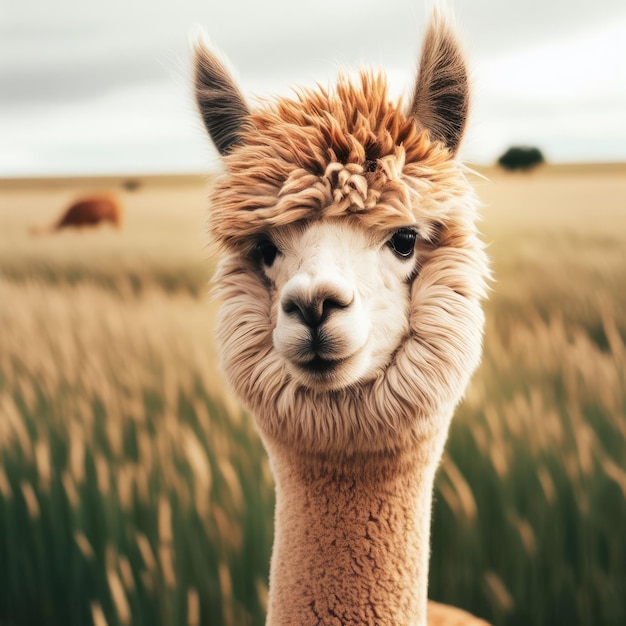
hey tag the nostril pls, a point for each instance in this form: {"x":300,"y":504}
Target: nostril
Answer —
{"x":330,"y":304}
{"x":309,"y":313}
{"x":291,"y":307}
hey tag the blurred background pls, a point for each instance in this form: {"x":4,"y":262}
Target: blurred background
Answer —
{"x":133,"y":487}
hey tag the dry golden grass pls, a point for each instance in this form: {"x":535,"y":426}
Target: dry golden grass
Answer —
{"x":162,"y":236}
{"x":557,"y":232}
{"x":133,"y":489}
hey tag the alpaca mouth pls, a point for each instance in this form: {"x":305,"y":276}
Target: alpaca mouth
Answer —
{"x":323,"y":374}
{"x":319,"y":365}
{"x":328,"y":365}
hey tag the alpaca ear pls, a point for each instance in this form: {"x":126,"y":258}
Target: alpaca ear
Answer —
{"x":440,"y":102}
{"x":221,"y":104}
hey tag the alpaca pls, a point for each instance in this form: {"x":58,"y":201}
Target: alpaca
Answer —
{"x":351,"y":279}
{"x":88,"y":211}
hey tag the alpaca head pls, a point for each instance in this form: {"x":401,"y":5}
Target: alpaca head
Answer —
{"x":351,"y":272}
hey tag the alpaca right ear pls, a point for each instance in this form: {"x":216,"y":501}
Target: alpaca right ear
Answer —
{"x":440,"y":102}
{"x":222,"y":106}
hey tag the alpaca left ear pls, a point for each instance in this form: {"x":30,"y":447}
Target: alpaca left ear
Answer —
{"x":440,"y":102}
{"x":222,"y":106}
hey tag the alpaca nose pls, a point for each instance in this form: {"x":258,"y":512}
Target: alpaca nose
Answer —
{"x":315,"y":310}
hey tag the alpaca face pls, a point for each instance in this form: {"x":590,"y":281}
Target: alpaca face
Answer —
{"x":341,"y":298}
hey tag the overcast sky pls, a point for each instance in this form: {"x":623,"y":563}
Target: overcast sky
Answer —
{"x":102,"y":87}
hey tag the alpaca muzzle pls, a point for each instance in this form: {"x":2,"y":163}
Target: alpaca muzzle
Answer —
{"x":313,"y":312}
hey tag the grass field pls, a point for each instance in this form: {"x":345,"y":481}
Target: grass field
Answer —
{"x":134,"y":490}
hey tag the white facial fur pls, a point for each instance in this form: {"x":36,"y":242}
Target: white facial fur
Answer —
{"x":341,"y":300}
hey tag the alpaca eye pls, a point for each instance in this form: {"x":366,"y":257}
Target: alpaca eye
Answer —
{"x":266,"y":252}
{"x":403,"y":242}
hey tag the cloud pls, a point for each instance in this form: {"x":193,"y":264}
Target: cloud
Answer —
{"x":88,"y":86}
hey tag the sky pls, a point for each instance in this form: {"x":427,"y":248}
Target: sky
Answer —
{"x":104,"y":88}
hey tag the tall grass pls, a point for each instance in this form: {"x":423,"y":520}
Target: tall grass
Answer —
{"x":531,"y":506}
{"x":134,"y":490}
{"x":128,"y":493}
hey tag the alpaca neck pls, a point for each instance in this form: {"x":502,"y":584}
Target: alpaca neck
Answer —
{"x":351,"y":542}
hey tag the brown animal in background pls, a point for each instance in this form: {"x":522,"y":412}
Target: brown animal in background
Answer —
{"x":88,"y":211}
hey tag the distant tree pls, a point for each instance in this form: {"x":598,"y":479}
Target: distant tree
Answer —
{"x":131,"y":184}
{"x":521,"y":158}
